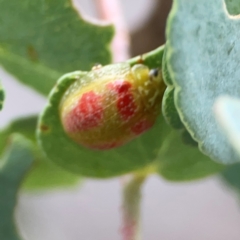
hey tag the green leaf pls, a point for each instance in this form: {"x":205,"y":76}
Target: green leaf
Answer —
{"x":180,"y":162}
{"x":169,"y":109}
{"x":203,"y":62}
{"x":43,"y":174}
{"x":25,"y":126}
{"x":46,"y":39}
{"x":152,"y":59}
{"x":233,"y":6}
{"x":1,"y":96}
{"x":17,"y":161}
{"x":63,"y":151}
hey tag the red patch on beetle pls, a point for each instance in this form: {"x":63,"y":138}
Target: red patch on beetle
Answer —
{"x":141,"y":126}
{"x":125,"y":99}
{"x":87,"y":114}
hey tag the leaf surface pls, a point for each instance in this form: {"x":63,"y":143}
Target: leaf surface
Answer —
{"x":16,"y":163}
{"x":203,"y":62}
{"x":43,"y":174}
{"x":41,"y":40}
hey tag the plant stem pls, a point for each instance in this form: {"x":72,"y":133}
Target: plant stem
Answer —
{"x":110,"y":10}
{"x":131,"y":207}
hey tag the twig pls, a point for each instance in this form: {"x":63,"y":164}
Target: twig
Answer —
{"x":131,"y":207}
{"x":110,"y":10}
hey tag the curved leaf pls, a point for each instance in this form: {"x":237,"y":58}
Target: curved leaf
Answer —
{"x":43,"y":174}
{"x":48,"y":39}
{"x":203,"y":62}
{"x":17,"y":161}
{"x":152,"y":59}
{"x":168,"y":106}
{"x":169,"y":109}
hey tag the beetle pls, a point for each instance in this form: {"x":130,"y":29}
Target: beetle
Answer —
{"x":111,"y":105}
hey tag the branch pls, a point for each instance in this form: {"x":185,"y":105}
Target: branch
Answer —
{"x":131,"y":207}
{"x":110,"y":10}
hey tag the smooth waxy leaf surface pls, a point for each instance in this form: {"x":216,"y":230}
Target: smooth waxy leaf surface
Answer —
{"x":41,"y":40}
{"x":203,"y":62}
{"x":68,"y":154}
{"x":16,"y":163}
{"x":1,"y":96}
{"x":43,"y":174}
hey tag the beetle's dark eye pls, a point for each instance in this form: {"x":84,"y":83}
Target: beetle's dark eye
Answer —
{"x":154,"y":72}
{"x":96,"y":66}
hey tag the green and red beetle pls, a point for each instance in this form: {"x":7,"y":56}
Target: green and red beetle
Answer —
{"x":112,"y":105}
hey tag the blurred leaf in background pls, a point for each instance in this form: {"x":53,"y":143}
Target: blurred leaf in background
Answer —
{"x":203,"y":62}
{"x":16,"y":163}
{"x":47,"y":39}
{"x":42,"y":40}
{"x":43,"y":174}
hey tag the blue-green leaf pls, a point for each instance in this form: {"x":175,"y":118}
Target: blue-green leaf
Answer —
{"x":16,"y":163}
{"x":203,"y":62}
{"x":42,"y":40}
{"x":43,"y":175}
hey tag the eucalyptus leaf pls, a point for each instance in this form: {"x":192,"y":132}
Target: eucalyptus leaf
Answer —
{"x":41,"y":40}
{"x":169,"y":109}
{"x":168,"y":106}
{"x":152,"y":59}
{"x":17,"y":161}
{"x":203,"y":62}
{"x":43,"y":174}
